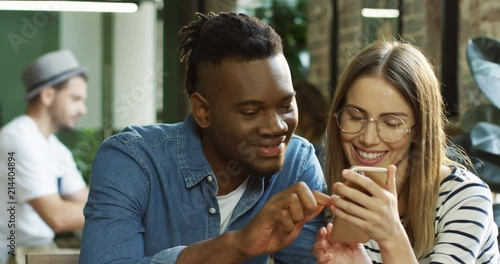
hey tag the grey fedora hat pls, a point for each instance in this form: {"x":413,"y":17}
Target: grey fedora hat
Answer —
{"x":49,"y":69}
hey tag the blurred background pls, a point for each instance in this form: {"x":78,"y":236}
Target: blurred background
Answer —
{"x":135,"y":77}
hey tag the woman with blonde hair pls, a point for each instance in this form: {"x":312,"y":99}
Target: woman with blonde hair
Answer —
{"x":388,"y":112}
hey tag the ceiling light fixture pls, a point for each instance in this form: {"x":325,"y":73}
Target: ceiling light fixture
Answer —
{"x":379,"y":13}
{"x":70,"y":6}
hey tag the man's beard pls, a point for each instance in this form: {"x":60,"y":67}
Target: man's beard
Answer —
{"x":60,"y":125}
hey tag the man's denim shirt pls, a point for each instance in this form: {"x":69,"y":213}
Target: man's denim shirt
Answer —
{"x":152,"y":193}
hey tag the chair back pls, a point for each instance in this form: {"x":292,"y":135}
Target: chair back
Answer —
{"x":52,"y":258}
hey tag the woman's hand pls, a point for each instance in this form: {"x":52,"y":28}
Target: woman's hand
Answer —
{"x":376,"y":213}
{"x":327,"y":252}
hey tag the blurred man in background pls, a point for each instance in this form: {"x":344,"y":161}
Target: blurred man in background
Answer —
{"x":42,"y":189}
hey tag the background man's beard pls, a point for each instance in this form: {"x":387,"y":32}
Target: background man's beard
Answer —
{"x":61,"y":126}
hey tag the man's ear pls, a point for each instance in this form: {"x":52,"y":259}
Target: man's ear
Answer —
{"x":201,"y":110}
{"x":47,"y":96}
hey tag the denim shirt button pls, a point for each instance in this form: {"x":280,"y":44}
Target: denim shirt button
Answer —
{"x":209,"y":178}
{"x":212,"y":210}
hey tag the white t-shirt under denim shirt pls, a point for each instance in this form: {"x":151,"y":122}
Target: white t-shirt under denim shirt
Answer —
{"x":42,"y":167}
{"x":228,"y":202}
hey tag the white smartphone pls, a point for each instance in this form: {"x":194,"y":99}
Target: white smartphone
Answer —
{"x":344,"y":231}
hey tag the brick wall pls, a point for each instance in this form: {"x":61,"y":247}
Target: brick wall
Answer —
{"x":349,"y":32}
{"x":219,"y":5}
{"x":421,"y":27}
{"x":318,"y":43}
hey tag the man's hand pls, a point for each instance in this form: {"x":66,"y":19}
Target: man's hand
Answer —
{"x":330,"y":252}
{"x":281,"y":219}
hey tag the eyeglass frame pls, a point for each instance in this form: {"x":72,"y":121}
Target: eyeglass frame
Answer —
{"x":371,"y":120}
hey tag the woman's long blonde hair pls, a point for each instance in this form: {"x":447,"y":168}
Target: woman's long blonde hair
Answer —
{"x":409,"y":71}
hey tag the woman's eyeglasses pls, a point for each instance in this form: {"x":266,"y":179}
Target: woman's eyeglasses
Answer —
{"x":390,"y":128}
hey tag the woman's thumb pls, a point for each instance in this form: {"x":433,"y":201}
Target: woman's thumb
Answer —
{"x":391,"y":179}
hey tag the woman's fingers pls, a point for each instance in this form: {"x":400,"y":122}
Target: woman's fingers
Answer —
{"x":352,"y":201}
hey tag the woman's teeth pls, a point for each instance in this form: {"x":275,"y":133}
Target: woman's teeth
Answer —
{"x":370,"y":156}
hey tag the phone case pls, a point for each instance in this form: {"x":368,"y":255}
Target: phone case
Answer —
{"x":346,"y":232}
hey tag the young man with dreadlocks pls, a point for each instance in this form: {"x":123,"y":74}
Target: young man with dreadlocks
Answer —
{"x":231,"y":183}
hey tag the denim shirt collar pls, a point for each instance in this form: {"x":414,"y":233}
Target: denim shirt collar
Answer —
{"x":192,"y":162}
{"x":195,"y":167}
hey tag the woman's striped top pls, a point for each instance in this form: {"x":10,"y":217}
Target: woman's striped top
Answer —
{"x":464,"y":228}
